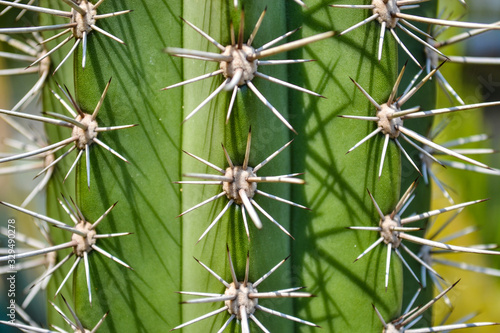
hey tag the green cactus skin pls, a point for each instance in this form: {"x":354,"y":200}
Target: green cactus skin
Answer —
{"x":162,"y":247}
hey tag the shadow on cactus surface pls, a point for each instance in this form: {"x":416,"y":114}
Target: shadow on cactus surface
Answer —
{"x":150,"y":193}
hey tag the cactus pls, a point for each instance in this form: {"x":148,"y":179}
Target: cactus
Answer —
{"x":161,"y":185}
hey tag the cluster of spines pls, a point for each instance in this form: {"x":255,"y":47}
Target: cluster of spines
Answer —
{"x":411,"y":316}
{"x":239,"y":185}
{"x":29,"y":325}
{"x":83,"y":17}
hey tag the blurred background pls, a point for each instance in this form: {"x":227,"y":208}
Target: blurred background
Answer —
{"x":476,"y":293}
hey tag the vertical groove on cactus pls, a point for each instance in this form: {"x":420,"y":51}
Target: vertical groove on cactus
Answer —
{"x":148,"y":201}
{"x":206,"y":131}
